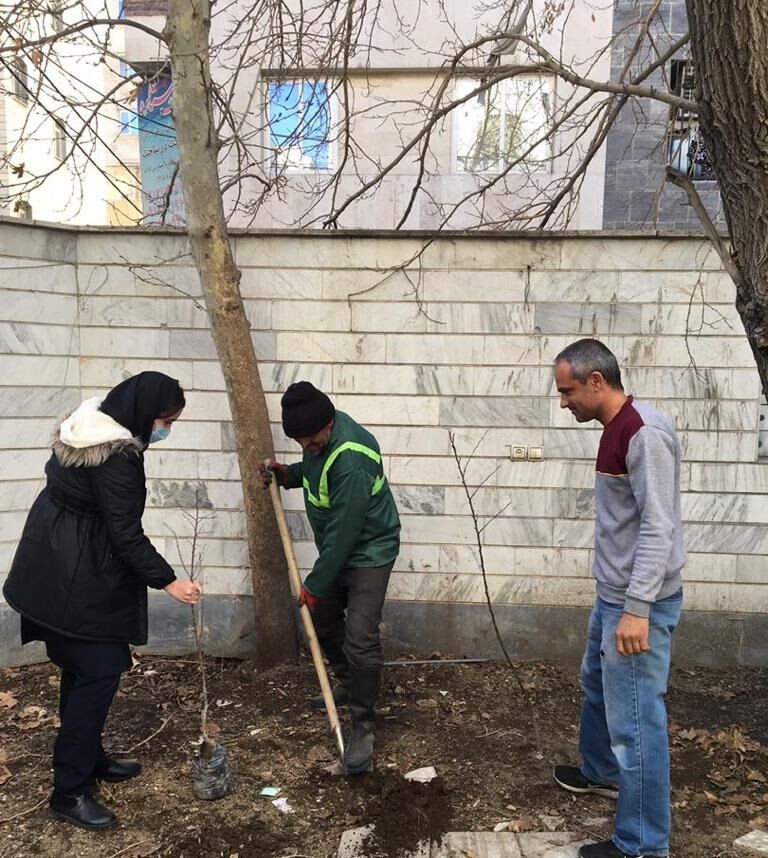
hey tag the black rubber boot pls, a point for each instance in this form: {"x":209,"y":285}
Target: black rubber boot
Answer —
{"x":340,"y":697}
{"x":81,"y":810}
{"x":358,"y":747}
{"x":340,"y":671}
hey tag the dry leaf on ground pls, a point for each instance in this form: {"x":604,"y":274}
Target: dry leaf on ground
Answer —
{"x":7,"y":700}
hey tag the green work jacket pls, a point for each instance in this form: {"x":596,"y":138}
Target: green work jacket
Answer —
{"x":349,"y":504}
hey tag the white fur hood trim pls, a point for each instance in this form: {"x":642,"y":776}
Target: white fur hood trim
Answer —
{"x":88,"y":437}
{"x":88,"y":427}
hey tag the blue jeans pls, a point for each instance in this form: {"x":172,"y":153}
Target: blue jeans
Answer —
{"x":623,"y":733}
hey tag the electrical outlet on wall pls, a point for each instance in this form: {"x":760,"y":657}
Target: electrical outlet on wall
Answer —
{"x":535,"y":454}
{"x":517,"y":454}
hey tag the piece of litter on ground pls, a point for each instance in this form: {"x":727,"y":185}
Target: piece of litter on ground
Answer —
{"x":257,"y":730}
{"x":423,"y":775}
{"x":282,"y":805}
{"x":501,"y":826}
{"x":270,"y":791}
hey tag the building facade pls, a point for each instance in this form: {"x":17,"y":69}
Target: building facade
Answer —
{"x":649,"y":137}
{"x":315,"y":126}
{"x":68,"y":149}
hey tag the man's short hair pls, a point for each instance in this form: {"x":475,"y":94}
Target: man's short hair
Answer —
{"x":588,"y":356}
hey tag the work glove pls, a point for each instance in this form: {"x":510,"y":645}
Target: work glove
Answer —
{"x":279,"y":471}
{"x":308,"y":599}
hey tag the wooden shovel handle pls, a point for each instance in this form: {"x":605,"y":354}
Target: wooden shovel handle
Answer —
{"x":306,"y":615}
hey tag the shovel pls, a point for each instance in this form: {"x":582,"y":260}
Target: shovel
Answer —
{"x":306,"y":616}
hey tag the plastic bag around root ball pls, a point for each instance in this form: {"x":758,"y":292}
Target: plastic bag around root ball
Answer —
{"x":212,"y":779}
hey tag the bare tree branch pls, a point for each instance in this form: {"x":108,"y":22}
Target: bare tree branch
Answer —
{"x":680,"y":180}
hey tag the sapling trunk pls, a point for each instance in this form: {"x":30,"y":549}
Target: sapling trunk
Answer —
{"x":194,"y":573}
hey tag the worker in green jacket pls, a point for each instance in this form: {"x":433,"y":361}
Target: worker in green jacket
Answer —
{"x":354,"y":519}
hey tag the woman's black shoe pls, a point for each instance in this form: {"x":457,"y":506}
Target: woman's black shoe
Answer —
{"x":82,"y":810}
{"x":116,"y":771}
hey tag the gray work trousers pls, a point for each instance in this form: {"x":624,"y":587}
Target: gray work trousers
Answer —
{"x":353,"y":640}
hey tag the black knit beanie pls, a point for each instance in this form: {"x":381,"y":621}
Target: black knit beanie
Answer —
{"x":306,"y":410}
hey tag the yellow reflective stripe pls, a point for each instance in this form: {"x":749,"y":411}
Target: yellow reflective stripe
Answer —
{"x":310,"y":497}
{"x":324,"y":499}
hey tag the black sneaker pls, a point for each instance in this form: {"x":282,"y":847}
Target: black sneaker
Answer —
{"x":606,"y":849}
{"x":571,"y":778}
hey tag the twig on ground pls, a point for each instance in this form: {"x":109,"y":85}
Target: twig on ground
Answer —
{"x":501,"y":730}
{"x":128,"y":848}
{"x":24,"y":812}
{"x":296,"y":855}
{"x":23,"y":757}
{"x":103,"y":788}
{"x":144,"y":741}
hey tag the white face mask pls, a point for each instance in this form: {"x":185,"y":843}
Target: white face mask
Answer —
{"x":159,"y":433}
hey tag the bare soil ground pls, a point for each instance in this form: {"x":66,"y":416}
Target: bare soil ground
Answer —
{"x":469,"y":721}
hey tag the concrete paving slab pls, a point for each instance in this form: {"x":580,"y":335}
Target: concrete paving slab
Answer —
{"x":754,"y":843}
{"x":549,"y":844}
{"x":474,"y":844}
{"x":354,"y":844}
{"x":477,"y":844}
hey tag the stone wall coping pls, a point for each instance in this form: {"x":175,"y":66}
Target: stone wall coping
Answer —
{"x":451,"y":235}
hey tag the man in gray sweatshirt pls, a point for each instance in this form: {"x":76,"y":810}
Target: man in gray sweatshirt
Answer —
{"x":639,"y":553}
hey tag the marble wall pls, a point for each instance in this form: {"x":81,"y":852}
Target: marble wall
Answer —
{"x":462,"y":343}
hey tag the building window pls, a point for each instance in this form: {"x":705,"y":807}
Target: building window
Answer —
{"x":762,"y":430}
{"x":129,"y":122}
{"x":687,"y":153}
{"x":506,"y":124}
{"x":129,"y":119}
{"x":20,"y":80}
{"x":59,"y":140}
{"x":299,"y":116}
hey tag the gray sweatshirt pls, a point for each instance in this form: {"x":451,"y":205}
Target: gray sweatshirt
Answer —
{"x":639,"y":549}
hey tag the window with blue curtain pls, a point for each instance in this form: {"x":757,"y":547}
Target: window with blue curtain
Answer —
{"x":129,"y":122}
{"x":300,"y":124}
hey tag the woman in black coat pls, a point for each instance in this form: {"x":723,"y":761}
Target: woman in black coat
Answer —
{"x":80,"y":574}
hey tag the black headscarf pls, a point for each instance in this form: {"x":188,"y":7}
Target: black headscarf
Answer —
{"x":139,"y":400}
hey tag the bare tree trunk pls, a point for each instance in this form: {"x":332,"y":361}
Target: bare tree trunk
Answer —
{"x":187,"y":33}
{"x":729,"y":41}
